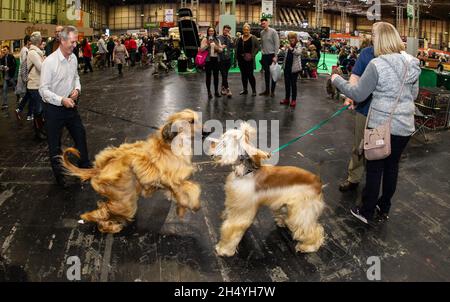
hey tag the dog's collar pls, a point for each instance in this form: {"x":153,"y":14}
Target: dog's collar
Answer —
{"x":248,"y":164}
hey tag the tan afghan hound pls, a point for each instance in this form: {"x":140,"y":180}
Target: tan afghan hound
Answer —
{"x":294,"y":195}
{"x":122,"y":174}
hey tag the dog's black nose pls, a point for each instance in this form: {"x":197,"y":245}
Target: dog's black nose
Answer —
{"x":205,"y":134}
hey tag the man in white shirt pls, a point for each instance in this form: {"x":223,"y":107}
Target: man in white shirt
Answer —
{"x":60,"y":89}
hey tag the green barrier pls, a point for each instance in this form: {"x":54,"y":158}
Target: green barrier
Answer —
{"x":428,"y":78}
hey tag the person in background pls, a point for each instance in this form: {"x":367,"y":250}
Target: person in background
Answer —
{"x":270,"y":44}
{"x":247,"y":46}
{"x":225,"y":58}
{"x":102,"y":52}
{"x":132,"y":49}
{"x":393,"y":80}
{"x":144,"y":53}
{"x":292,"y":67}
{"x":35,"y":58}
{"x":54,"y":43}
{"x":212,"y":44}
{"x":120,"y":54}
{"x":87,"y":55}
{"x":356,"y":166}
{"x":21,"y":87}
{"x":313,"y":61}
{"x":150,"y":44}
{"x":158,"y":55}
{"x":8,"y":68}
{"x":318,"y":44}
{"x":110,"y":46}
{"x":60,"y":90}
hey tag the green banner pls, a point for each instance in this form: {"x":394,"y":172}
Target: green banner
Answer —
{"x":410,"y":11}
{"x":152,"y":25}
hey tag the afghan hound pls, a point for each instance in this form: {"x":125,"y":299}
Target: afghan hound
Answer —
{"x":332,"y":91}
{"x":122,"y":174}
{"x":293,"y":194}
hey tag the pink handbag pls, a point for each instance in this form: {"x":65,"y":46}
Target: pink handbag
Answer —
{"x":200,"y":58}
{"x":377,"y":141}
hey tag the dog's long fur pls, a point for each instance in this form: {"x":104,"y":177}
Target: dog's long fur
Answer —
{"x":332,"y":91}
{"x":122,"y":174}
{"x":294,"y":195}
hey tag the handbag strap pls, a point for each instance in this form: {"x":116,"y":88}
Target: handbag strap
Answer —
{"x":405,"y":74}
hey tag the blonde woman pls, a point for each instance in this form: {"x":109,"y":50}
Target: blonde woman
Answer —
{"x":383,"y":79}
{"x":247,"y":47}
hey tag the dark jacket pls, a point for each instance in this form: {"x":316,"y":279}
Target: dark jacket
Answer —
{"x":51,"y":47}
{"x":110,"y":45}
{"x":226,"y":54}
{"x":255,"y":49}
{"x":11,"y":63}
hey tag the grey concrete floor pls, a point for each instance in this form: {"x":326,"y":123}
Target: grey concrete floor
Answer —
{"x":38,"y":220}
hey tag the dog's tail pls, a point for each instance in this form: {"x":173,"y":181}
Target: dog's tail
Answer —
{"x":70,"y":169}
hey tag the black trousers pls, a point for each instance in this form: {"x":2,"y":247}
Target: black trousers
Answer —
{"x":109,"y":56}
{"x":266,"y":61}
{"x":212,"y":67}
{"x":224,"y":67}
{"x":290,"y":83}
{"x":23,"y":102}
{"x":56,"y":118}
{"x":247,"y":75}
{"x":87,"y":64}
{"x":382,"y":171}
{"x":133,"y":57}
{"x":36,"y":104}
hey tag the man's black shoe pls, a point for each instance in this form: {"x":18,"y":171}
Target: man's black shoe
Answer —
{"x":348,"y":186}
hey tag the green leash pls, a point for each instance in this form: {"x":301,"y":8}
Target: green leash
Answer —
{"x":318,"y":126}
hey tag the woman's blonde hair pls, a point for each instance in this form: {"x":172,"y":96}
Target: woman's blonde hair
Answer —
{"x":246,"y":25}
{"x":292,"y":35}
{"x":386,"y":39}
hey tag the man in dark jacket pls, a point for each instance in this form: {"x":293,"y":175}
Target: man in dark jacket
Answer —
{"x":54,"y":43}
{"x":316,"y":42}
{"x":110,"y":45}
{"x":8,"y":68}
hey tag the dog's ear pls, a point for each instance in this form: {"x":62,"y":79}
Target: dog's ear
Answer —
{"x":167,"y":134}
{"x":248,"y":132}
{"x":258,"y":157}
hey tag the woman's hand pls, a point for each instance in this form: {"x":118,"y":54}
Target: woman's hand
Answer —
{"x":333,"y":77}
{"x":350,"y":103}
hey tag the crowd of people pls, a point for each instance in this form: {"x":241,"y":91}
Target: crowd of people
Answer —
{"x":297,"y":58}
{"x":49,"y":83}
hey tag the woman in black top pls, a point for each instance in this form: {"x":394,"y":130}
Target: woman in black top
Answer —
{"x":247,"y":48}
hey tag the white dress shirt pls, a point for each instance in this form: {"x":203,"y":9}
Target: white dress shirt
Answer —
{"x":59,"y":77}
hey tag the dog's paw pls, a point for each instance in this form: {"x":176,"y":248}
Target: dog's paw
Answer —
{"x":196,"y":207}
{"x":223,"y":252}
{"x":306,"y":248}
{"x":181,"y":211}
{"x":110,"y":227}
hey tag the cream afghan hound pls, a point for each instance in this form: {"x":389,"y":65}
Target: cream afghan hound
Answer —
{"x":294,"y":195}
{"x":122,"y":174}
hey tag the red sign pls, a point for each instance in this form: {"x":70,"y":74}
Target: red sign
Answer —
{"x":166,"y":24}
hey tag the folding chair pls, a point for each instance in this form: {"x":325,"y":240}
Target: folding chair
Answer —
{"x":421,"y":120}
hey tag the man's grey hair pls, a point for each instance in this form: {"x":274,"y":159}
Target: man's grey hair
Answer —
{"x":36,"y":38}
{"x":64,"y":34}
